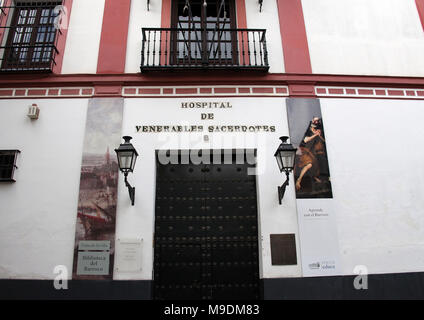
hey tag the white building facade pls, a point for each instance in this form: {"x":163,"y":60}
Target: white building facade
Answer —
{"x":234,"y":76}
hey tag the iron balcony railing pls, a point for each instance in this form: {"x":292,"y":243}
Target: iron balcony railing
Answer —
{"x":31,"y":58}
{"x":30,"y":37}
{"x":190,"y":49}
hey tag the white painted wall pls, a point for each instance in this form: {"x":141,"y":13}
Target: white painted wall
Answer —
{"x":267,"y":19}
{"x":374,"y":149}
{"x":38,"y":211}
{"x":138,"y":221}
{"x":140,"y":18}
{"x":364,"y":37}
{"x":83,"y":39}
{"x":377,"y":173}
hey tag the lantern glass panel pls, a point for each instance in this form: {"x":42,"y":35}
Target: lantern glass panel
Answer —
{"x":279,"y":161}
{"x":134,"y":159}
{"x":125,"y":160}
{"x":288,"y":159}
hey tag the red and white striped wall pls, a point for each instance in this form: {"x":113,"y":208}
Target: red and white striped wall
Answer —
{"x":113,"y":46}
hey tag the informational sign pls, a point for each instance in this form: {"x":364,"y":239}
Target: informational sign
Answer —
{"x":94,"y":245}
{"x":318,"y":237}
{"x":128,"y":255}
{"x":317,"y":221}
{"x":93,"y":257}
{"x":93,"y":263}
{"x":207,"y":112}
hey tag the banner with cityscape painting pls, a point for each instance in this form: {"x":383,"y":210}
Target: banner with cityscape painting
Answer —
{"x":95,"y":227}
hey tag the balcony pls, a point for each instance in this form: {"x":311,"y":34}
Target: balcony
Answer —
{"x":203,"y":49}
{"x":30,"y":37}
{"x":27,"y":58}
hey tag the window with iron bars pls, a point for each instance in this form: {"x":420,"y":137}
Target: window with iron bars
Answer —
{"x":204,"y":31}
{"x":30,"y":36}
{"x":8,"y":164}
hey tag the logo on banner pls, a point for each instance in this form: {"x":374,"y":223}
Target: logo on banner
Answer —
{"x":323,"y":265}
{"x":314,"y":266}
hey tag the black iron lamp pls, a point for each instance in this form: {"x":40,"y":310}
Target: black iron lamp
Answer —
{"x":148,"y":5}
{"x":127,"y":155}
{"x":285,"y":156}
{"x":260,"y":5}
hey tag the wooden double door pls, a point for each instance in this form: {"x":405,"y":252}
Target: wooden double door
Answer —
{"x":206,"y":232}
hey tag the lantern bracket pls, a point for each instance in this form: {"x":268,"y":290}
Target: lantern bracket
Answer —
{"x":131,"y":190}
{"x":282,"y":188}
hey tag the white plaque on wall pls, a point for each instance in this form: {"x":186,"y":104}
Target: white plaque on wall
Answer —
{"x":128,"y":255}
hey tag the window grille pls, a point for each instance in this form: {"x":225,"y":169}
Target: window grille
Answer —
{"x":8,"y":164}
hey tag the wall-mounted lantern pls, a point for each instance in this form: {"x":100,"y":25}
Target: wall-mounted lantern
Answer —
{"x":148,"y":5}
{"x":127,"y":156}
{"x":260,"y":5}
{"x":285,"y":156}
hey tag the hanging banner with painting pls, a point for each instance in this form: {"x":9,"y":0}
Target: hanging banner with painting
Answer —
{"x":317,"y":221}
{"x":95,"y":227}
